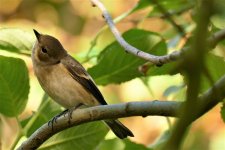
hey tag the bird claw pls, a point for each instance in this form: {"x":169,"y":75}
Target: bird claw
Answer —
{"x":54,"y":119}
{"x":69,"y":111}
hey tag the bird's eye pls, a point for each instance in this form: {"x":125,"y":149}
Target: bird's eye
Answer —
{"x":44,"y":50}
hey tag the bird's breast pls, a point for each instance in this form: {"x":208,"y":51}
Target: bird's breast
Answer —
{"x":61,"y":87}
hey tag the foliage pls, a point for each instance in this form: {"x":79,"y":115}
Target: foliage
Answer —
{"x":88,"y":135}
{"x":14,"y":87}
{"x":16,"y":40}
{"x":113,"y":66}
{"x":112,"y":144}
{"x":223,"y":112}
{"x":121,"y":66}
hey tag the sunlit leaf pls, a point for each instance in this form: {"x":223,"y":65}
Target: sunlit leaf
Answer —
{"x":14,"y":86}
{"x":216,"y":69}
{"x":218,"y":21}
{"x":116,"y":66}
{"x":219,"y":16}
{"x":111,"y":144}
{"x":132,"y":145}
{"x":172,"y":7}
{"x":117,"y":144}
{"x":45,"y":112}
{"x":82,"y":137}
{"x":16,"y":40}
{"x":141,"y":4}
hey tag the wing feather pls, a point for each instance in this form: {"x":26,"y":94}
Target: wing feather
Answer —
{"x":80,"y":75}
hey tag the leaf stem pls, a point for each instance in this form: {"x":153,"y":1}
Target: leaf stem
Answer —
{"x":19,"y":134}
{"x":45,"y":101}
{"x":23,"y":131}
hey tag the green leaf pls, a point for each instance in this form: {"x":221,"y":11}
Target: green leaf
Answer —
{"x":116,"y":66}
{"x":46,"y":111}
{"x":16,"y":40}
{"x":169,"y":68}
{"x":111,"y":144}
{"x":141,"y":4}
{"x":131,"y":145}
{"x":218,"y":18}
{"x":14,"y":86}
{"x":117,"y":144}
{"x":222,"y":112}
{"x":218,"y":21}
{"x":83,"y":137}
{"x":215,"y":66}
{"x":174,"y":6}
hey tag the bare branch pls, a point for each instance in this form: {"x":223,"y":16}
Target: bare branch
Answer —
{"x":158,"y":60}
{"x":80,"y":116}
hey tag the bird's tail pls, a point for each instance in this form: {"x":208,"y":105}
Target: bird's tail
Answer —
{"x":119,"y":129}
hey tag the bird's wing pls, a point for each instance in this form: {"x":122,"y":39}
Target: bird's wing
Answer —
{"x":80,"y":75}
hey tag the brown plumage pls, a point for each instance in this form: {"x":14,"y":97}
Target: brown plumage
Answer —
{"x":66,"y":81}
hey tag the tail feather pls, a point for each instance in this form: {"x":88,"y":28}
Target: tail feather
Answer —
{"x":119,"y":129}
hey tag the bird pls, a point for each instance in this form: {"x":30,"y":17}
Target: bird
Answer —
{"x":66,"y":81}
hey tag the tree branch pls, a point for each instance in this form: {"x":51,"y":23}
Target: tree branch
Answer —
{"x":158,"y":60}
{"x":160,"y":108}
{"x":80,"y":116}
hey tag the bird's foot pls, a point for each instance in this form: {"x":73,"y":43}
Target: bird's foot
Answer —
{"x":54,"y":119}
{"x":70,"y":111}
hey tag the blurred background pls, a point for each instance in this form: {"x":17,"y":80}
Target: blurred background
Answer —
{"x":75,"y":23}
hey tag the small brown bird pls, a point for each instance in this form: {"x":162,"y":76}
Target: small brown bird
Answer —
{"x":66,"y":81}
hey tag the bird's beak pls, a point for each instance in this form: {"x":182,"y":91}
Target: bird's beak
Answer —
{"x":38,"y":35}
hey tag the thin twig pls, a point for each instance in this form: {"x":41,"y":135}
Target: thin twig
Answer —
{"x":168,"y":16}
{"x":158,"y":60}
{"x":105,"y":27}
{"x":178,"y":12}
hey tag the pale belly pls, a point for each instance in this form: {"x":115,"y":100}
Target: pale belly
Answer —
{"x":61,"y":87}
